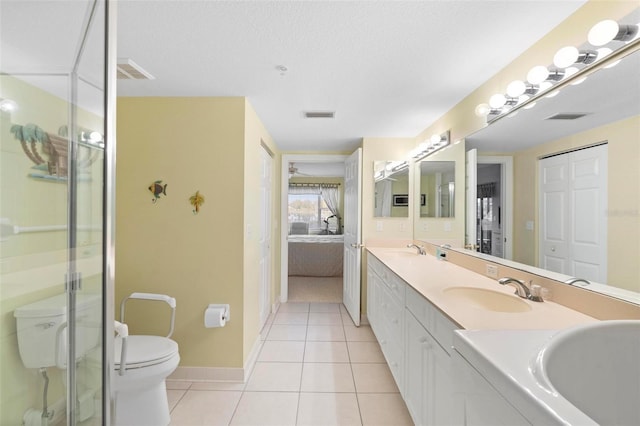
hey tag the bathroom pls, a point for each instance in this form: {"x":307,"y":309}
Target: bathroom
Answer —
{"x":160,"y":244}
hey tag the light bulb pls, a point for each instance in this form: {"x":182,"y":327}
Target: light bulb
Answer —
{"x":482,"y":110}
{"x":570,"y":71}
{"x":545,"y":85}
{"x":537,"y":74}
{"x":566,"y":56}
{"x":497,"y":100}
{"x":95,"y":136}
{"x":603,"y":52}
{"x":7,"y":105}
{"x":523,"y":98}
{"x":516,"y":88}
{"x":435,"y":139}
{"x":603,"y":32}
{"x":613,"y":64}
{"x":578,"y":81}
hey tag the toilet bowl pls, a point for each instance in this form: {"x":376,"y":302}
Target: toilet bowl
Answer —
{"x":140,"y":390}
{"x":141,"y":365}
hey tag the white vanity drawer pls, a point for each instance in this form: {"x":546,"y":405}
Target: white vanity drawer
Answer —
{"x":438,"y":325}
{"x":394,"y":355}
{"x":392,"y":314}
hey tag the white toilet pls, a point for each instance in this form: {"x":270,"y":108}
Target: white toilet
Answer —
{"x":139,"y":384}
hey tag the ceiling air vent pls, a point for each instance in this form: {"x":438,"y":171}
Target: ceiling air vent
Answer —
{"x":129,"y":70}
{"x":319,"y":114}
{"x":566,"y":116}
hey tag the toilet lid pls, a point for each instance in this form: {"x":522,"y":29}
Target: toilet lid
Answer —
{"x":143,"y":351}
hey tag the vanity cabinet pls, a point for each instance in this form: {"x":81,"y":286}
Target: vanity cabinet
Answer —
{"x":416,"y":339}
{"x":385,"y":307}
{"x":476,"y":402}
{"x":428,"y":379}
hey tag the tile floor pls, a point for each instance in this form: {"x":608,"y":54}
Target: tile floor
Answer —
{"x":314,"y":368}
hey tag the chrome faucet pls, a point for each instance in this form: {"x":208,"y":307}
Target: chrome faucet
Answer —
{"x":521,"y":288}
{"x":572,"y":281}
{"x":420,"y":248}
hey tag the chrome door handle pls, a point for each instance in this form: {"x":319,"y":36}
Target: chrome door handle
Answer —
{"x":357,"y":245}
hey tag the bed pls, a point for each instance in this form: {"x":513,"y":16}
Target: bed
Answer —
{"x":316,"y":255}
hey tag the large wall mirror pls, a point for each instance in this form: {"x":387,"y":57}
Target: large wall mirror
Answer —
{"x":559,"y":137}
{"x":437,"y":188}
{"x":391,"y":180}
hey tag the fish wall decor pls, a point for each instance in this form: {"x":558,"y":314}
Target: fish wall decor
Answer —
{"x":196,"y":201}
{"x":158,"y":189}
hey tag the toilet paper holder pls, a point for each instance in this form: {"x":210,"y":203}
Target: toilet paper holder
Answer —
{"x":216,"y":315}
{"x":223,"y":306}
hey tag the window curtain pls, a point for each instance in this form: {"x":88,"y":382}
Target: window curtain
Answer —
{"x":301,"y":189}
{"x":331,"y":196}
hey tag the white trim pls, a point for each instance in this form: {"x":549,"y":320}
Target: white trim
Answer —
{"x":208,"y":374}
{"x":284,"y":230}
{"x":252,"y":358}
{"x":219,"y":374}
{"x":506,"y":190}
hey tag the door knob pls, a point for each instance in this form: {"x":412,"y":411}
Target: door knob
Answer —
{"x":357,"y":245}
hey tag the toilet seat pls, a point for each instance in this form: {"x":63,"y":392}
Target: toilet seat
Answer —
{"x":144,"y":351}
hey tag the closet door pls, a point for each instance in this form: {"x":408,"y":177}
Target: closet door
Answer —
{"x":573,"y":213}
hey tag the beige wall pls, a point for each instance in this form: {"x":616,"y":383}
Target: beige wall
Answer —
{"x":206,"y":144}
{"x":623,"y":200}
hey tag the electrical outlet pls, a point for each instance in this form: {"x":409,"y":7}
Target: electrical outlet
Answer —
{"x":492,"y":271}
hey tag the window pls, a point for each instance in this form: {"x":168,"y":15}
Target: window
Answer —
{"x":311,"y":209}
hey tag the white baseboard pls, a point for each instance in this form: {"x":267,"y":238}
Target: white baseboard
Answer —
{"x":219,"y":374}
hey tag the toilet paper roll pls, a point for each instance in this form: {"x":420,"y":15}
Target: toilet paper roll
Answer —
{"x":214,"y":317}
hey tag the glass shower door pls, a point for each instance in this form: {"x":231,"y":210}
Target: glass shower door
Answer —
{"x":52,"y":175}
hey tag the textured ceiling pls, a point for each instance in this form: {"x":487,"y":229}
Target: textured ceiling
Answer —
{"x":387,"y":68}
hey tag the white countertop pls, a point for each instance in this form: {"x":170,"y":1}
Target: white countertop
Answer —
{"x":505,"y":357}
{"x":430,"y":277}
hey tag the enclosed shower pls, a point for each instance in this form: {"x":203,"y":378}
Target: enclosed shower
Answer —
{"x":56,"y":221}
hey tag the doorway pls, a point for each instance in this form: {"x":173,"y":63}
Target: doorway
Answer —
{"x":312,"y":209}
{"x":490,"y":204}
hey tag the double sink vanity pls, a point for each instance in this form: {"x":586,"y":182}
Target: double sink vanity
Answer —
{"x":465,"y":350}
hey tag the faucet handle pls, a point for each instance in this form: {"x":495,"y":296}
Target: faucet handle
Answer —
{"x":536,"y":292}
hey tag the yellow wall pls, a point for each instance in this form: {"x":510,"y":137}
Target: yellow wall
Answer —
{"x":623,"y":202}
{"x":206,"y":144}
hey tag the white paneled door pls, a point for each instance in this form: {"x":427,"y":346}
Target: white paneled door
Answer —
{"x":352,"y":235}
{"x":573,"y":213}
{"x":266,"y":165}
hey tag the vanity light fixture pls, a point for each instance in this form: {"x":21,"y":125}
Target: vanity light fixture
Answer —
{"x":430,"y":146}
{"x":609,"y":30}
{"x":540,"y":79}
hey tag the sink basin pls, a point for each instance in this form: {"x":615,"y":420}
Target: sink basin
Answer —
{"x":488,"y":299}
{"x":597,"y":369}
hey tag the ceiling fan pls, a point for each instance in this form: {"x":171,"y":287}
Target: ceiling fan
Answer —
{"x":293,"y":171}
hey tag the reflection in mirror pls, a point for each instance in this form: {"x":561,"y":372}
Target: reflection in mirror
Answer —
{"x":437,"y":188}
{"x":604,"y":109}
{"x":391,"y":180}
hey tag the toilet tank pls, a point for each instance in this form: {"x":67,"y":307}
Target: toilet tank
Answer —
{"x":38,"y":323}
